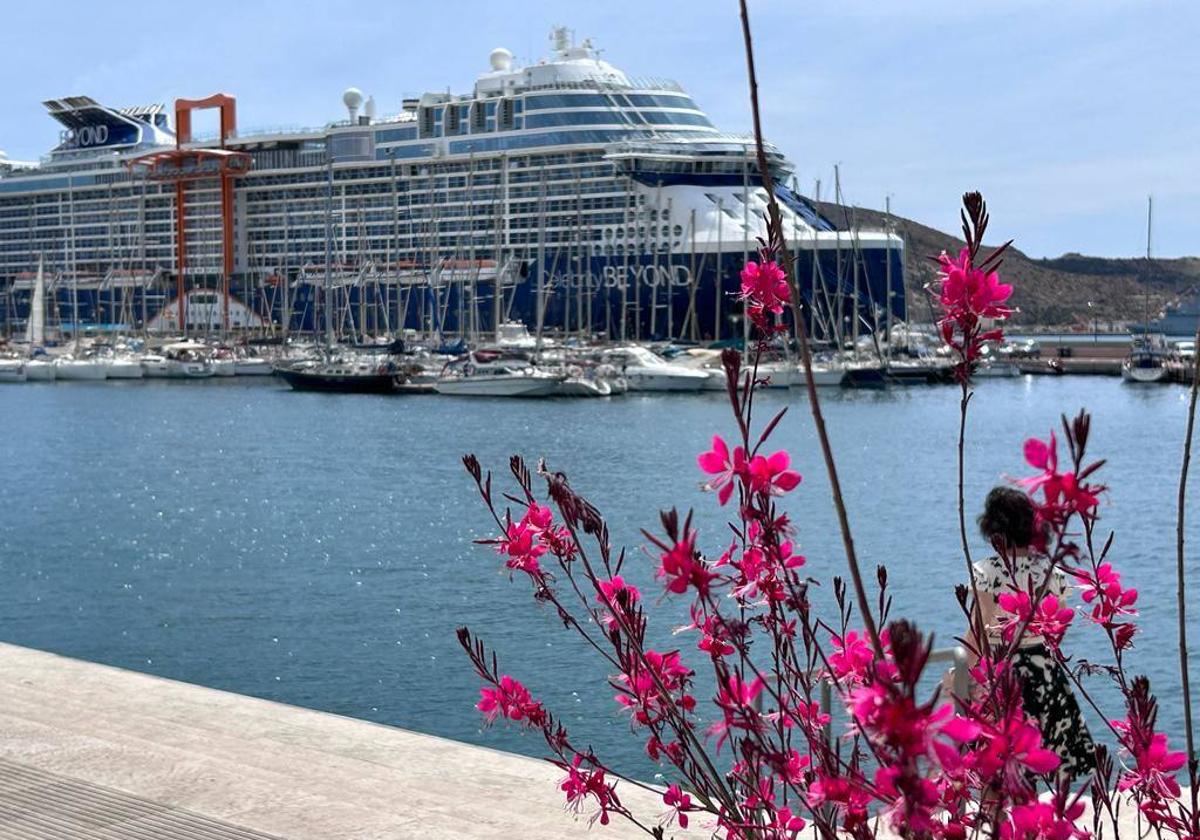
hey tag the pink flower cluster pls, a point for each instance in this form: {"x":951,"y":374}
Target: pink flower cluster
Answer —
{"x":1049,"y":619}
{"x":765,"y":292}
{"x":527,"y":540}
{"x":1150,"y":764}
{"x":644,"y":689}
{"x":1064,"y":494}
{"x":967,"y":296}
{"x":511,"y":700}
{"x":682,"y":567}
{"x":759,"y":474}
{"x":582,"y":784}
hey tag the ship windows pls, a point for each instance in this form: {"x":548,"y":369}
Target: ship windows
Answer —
{"x":426,"y":122}
{"x":662,"y":100}
{"x":506,"y":114}
{"x":566,"y":100}
{"x":478,"y":118}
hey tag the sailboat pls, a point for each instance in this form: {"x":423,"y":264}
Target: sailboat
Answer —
{"x":1146,"y":362}
{"x":38,"y":368}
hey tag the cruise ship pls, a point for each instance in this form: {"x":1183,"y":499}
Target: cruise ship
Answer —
{"x":565,"y":194}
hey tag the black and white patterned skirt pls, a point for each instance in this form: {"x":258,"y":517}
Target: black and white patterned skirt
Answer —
{"x":1048,"y":697}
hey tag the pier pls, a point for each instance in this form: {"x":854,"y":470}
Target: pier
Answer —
{"x":91,"y":751}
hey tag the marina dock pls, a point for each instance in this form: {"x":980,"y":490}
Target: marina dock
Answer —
{"x":91,"y":751}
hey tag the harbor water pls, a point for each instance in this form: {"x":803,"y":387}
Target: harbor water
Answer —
{"x":318,"y":549}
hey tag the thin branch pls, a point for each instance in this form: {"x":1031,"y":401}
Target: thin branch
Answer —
{"x":835,"y":486}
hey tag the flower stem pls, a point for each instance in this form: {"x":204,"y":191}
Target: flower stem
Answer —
{"x":774,"y":221}
{"x":1181,"y":578}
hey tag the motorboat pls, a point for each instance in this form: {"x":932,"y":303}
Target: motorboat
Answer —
{"x":181,"y":360}
{"x":479,"y":376}
{"x":584,"y":381}
{"x":647,"y":371}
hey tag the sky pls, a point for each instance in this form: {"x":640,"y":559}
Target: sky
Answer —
{"x":1066,"y":114}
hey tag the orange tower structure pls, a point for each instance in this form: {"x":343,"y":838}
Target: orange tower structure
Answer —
{"x":181,"y":165}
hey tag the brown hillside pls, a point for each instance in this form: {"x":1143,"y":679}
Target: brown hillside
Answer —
{"x":1050,"y":292}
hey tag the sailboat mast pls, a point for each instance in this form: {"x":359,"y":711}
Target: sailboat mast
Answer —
{"x":328,"y":249}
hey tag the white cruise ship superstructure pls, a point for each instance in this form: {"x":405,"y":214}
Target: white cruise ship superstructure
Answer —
{"x":565,"y":193}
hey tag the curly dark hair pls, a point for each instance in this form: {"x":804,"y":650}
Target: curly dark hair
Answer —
{"x":1007,"y":518}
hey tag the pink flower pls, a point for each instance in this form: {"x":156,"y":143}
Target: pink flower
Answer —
{"x":764,"y":289}
{"x":714,"y":633}
{"x":581,"y":784}
{"x":510,"y":699}
{"x":967,"y":295}
{"x":770,"y":474}
{"x":1063,"y":494}
{"x":786,"y":825}
{"x":1103,"y":591}
{"x":717,"y":463}
{"x":852,"y":658}
{"x":525,"y":541}
{"x":736,"y":700}
{"x":523,"y":546}
{"x":1044,"y":821}
{"x":1049,"y":620}
{"x":968,"y":292}
{"x":848,"y":795}
{"x":1155,"y":765}
{"x":682,"y":567}
{"x":619,"y":597}
{"x":642,"y":687}
{"x":679,"y":803}
{"x":1004,"y":750}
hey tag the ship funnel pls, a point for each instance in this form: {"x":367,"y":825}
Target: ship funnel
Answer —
{"x":353,"y":100}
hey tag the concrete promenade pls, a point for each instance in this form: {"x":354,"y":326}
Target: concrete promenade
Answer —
{"x":89,"y":751}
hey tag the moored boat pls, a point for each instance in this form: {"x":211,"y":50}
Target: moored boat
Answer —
{"x":80,"y":370}
{"x":500,"y":377}
{"x":40,"y":370}
{"x":12,"y":370}
{"x":350,"y":375}
{"x":1145,"y":364}
{"x":644,"y":370}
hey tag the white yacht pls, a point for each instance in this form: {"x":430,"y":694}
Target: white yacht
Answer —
{"x":475,"y":377}
{"x":645,"y":370}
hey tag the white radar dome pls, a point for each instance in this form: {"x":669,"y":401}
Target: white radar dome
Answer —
{"x":501,"y":59}
{"x":352,"y":98}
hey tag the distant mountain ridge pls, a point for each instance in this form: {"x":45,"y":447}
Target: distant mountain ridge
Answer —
{"x":1073,"y":290}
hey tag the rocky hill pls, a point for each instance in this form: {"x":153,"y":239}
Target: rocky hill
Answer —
{"x":1068,"y":291}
